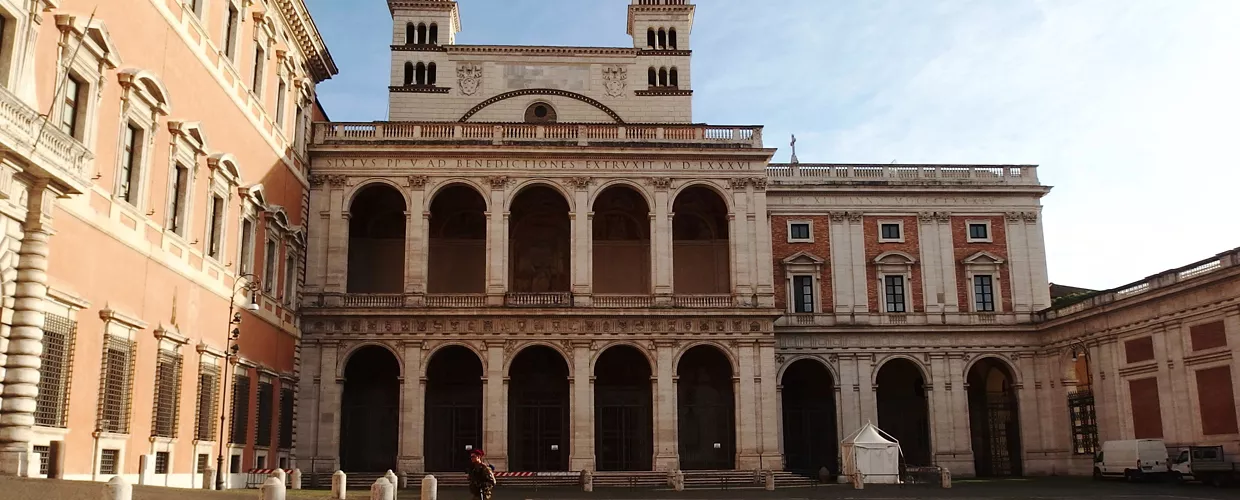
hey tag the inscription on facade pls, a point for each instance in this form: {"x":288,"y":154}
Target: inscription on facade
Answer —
{"x":456,"y":164}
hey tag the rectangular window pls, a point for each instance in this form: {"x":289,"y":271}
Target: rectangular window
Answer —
{"x":52,"y":402}
{"x":108,"y":460}
{"x":983,"y":293}
{"x":1216,"y":401}
{"x":45,"y":458}
{"x":167,"y":394}
{"x":203,"y":460}
{"x":266,"y":416}
{"x":180,"y":189}
{"x":260,"y":461}
{"x":269,"y":267}
{"x":241,"y":410}
{"x":247,"y":246}
{"x":71,"y":108}
{"x":798,"y":231}
{"x":280,"y":99}
{"x":894,"y":292}
{"x":286,"y":417}
{"x":260,"y":61}
{"x":1208,"y":335}
{"x":208,"y":399}
{"x":231,"y":25}
{"x":890,"y":232}
{"x":161,"y":462}
{"x":803,"y":292}
{"x":131,"y":164}
{"x":290,"y":278}
{"x":1146,"y":408}
{"x":234,"y":463}
{"x":116,"y":385}
{"x":979,"y":232}
{"x":217,"y":226}
{"x":284,"y":462}
{"x":299,"y":135}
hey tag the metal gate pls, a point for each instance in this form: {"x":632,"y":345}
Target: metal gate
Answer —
{"x":1081,"y":411}
{"x":539,"y":442}
{"x":368,"y":436}
{"x":624,"y":435}
{"x":707,"y":436}
{"x":999,"y":453}
{"x":810,"y":437}
{"x":453,"y":429}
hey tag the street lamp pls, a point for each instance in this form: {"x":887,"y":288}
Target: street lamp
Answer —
{"x":245,"y":282}
{"x":1079,"y":349}
{"x":1081,"y":403}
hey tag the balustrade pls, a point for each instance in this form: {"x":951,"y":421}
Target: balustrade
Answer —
{"x":977,"y":174}
{"x":582,"y":133}
{"x":622,"y":301}
{"x":456,"y":300}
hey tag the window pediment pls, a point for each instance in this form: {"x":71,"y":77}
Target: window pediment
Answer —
{"x":256,"y":194}
{"x":804,"y":258}
{"x":279,"y":217}
{"x":226,"y":165}
{"x":895,"y":258}
{"x":95,"y":36}
{"x":148,"y":86}
{"x":191,"y":133}
{"x":982,"y":259}
{"x":108,"y":314}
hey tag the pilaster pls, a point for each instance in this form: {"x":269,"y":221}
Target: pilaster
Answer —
{"x":417,"y":244}
{"x":581,"y":454}
{"x":742,"y":242}
{"x":841,"y":264}
{"x":932,"y":273}
{"x":582,"y":241}
{"x":1019,"y":264}
{"x":860,"y":289}
{"x":337,"y":238}
{"x":328,"y":411}
{"x":765,"y":277}
{"x":769,"y":417}
{"x":494,"y":408}
{"x":947,"y":261}
{"x":497,"y":242}
{"x":412,"y":413}
{"x":957,"y":416}
{"x":661,"y":243}
{"x":316,"y":251}
{"x":1028,"y":407}
{"x":747,"y":412}
{"x":851,"y":414}
{"x":1037,"y":261}
{"x":666,"y":449}
{"x":309,"y":400}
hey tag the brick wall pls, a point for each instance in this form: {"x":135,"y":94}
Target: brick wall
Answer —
{"x":782,"y":249}
{"x":873,"y":249}
{"x":996,"y":247}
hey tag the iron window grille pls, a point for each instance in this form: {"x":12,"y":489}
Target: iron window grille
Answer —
{"x":117,"y":385}
{"x":44,"y":458}
{"x":208,"y":401}
{"x":107,"y":461}
{"x":203,"y":460}
{"x":52,"y":402}
{"x":167,"y":394}
{"x":895,"y":293}
{"x":286,"y":418}
{"x":984,"y":293}
{"x":161,"y":462}
{"x":241,"y":410}
{"x":266,"y":405}
{"x":1084,"y":422}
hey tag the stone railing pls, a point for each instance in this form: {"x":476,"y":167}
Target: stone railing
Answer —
{"x":1164,"y":279}
{"x":704,"y":301}
{"x":622,"y":301}
{"x":530,"y":299}
{"x":807,"y":173}
{"x":581,"y":134}
{"x":462,"y":300}
{"x":62,"y":156}
{"x":376,"y":300}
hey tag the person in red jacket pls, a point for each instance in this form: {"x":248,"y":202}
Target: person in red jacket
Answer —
{"x":481,"y":476}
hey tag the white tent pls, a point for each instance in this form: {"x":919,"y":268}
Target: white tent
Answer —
{"x":875,"y":457}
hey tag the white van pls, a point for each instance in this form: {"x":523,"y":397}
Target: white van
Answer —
{"x":1132,"y":459}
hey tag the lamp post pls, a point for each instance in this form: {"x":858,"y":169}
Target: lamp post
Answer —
{"x":1081,"y":403}
{"x":247,"y":282}
{"x":1079,"y":349}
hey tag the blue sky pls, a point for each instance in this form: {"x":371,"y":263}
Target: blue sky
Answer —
{"x":1130,"y":107}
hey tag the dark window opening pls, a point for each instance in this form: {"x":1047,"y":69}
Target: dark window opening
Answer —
{"x":662,"y":38}
{"x":216,"y":233}
{"x":420,"y":72}
{"x":799,"y":231}
{"x":377,"y":224}
{"x":540,"y":112}
{"x":45,"y":458}
{"x":706,"y":410}
{"x":131,"y":164}
{"x":230,"y":32}
{"x":266,"y":416}
{"x":108,"y":460}
{"x":984,"y":293}
{"x":286,"y":418}
{"x":430,"y":74}
{"x":891,"y":231}
{"x":434,"y":37}
{"x":247,"y":246}
{"x":260,"y":60}
{"x":458,"y":234}
{"x":539,"y":242}
{"x":203,"y":460}
{"x":653,"y":75}
{"x":803,"y":292}
{"x":240,"y":432}
{"x":180,"y":189}
{"x":411,"y":34}
{"x":701,"y":258}
{"x":978,"y":231}
{"x":621,"y":243}
{"x":71,"y":109}
{"x":421,"y":34}
{"x":117,"y":384}
{"x":408,"y":74}
{"x":903,"y":410}
{"x":650,"y":38}
{"x":161,"y":462}
{"x":453,"y":408}
{"x":234,"y":464}
{"x":671,"y":39}
{"x":167,"y":394}
{"x":673,"y":78}
{"x":895,"y":293}
{"x":662,"y":77}
{"x":370,"y":411}
{"x":52,"y":402}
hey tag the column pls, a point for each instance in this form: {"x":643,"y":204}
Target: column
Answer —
{"x":581,"y":442}
{"x":494,"y":407}
{"x":416,"y":232}
{"x":1028,"y":405}
{"x":1037,"y":261}
{"x":746,"y":414}
{"x":851,"y":415}
{"x":765,"y":277}
{"x":941,"y":422}
{"x":666,"y":449}
{"x":582,"y":237}
{"x":330,"y":391}
{"x":337,"y":238}
{"x":932,"y":274}
{"x":957,"y":417}
{"x":661,"y":243}
{"x":861,"y":284}
{"x":841,"y":264}
{"x":316,"y":253}
{"x":741,"y":242}
{"x":21,"y":375}
{"x":769,"y":416}
{"x":497,"y":243}
{"x":412,"y":414}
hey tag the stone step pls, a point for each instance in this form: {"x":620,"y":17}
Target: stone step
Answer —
{"x":630,"y":480}
{"x":721,"y":479}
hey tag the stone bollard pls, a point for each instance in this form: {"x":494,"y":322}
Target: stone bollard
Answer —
{"x":391,"y":477}
{"x":146,"y":466}
{"x":272,"y":489}
{"x":946,"y":477}
{"x":824,"y":475}
{"x":118,"y":489}
{"x":382,"y":490}
{"x":430,"y":488}
{"x":404,"y":481}
{"x":295,"y":479}
{"x":770,"y":480}
{"x":678,"y":481}
{"x":338,"y":485}
{"x":208,"y":478}
{"x":281,"y":475}
{"x":587,"y":481}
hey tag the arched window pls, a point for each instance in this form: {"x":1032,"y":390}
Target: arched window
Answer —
{"x":662,"y":39}
{"x":650,"y":40}
{"x":408,"y":73}
{"x":662,"y":77}
{"x":540,"y":112}
{"x":671,"y":38}
{"x":673,"y":78}
{"x":430,"y":74}
{"x":411,"y":34}
{"x":434,"y":34}
{"x":421,"y":71}
{"x":422,"y":34}
{"x":654,"y":77}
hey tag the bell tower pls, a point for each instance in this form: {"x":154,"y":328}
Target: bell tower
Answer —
{"x":661,"y":24}
{"x":424,"y":22}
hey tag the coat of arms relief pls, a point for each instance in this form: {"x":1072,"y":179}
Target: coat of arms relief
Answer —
{"x":615,"y":78}
{"x":469,"y":78}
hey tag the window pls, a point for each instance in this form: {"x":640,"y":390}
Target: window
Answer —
{"x":983,"y":293}
{"x":234,"y":463}
{"x":195,"y":6}
{"x":673,"y":78}
{"x":45,"y":458}
{"x":131,"y":164}
{"x":161,"y":462}
{"x":299,"y":136}
{"x":216,"y":230}
{"x":434,"y":37}
{"x":803,"y":288}
{"x":284,"y":462}
{"x":108,"y":461}
{"x":290,"y":277}
{"x":52,"y":402}
{"x":208,"y":398}
{"x":203,"y":460}
{"x":260,"y":61}
{"x":260,"y":461}
{"x":266,"y":417}
{"x":894,"y":291}
{"x":890,"y":232}
{"x":650,"y":39}
{"x":671,"y":38}
{"x":420,"y":74}
{"x":269,"y":267}
{"x":116,"y":384}
{"x":280,"y":99}
{"x":799,"y":232}
{"x":180,"y":190}
{"x":286,"y":416}
{"x":411,"y":34}
{"x":979,"y":232}
{"x":540,"y":112}
{"x":71,"y":108}
{"x":241,"y":410}
{"x":247,"y":247}
{"x":167,"y":394}
{"x":653,"y":76}
{"x":662,"y":77}
{"x":231,"y":29}
{"x":430,"y":74}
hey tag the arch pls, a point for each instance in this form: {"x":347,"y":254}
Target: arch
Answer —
{"x":809,"y":414}
{"x":671,"y":38}
{"x":779,"y":372}
{"x":434,"y":190}
{"x":419,"y":72}
{"x":536,"y":182}
{"x":370,"y":409}
{"x":430,"y":74}
{"x":540,"y":112}
{"x":921,"y":367}
{"x":701,"y":243}
{"x":719,"y":190}
{"x":150,"y":85}
{"x":706,"y":409}
{"x":434,"y":34}
{"x":408,"y":79}
{"x":457,"y":246}
{"x":351,"y":196}
{"x":568,"y":357}
{"x":653,"y":77}
{"x":376,"y":253}
{"x":539,"y":437}
{"x":994,"y":418}
{"x":663,"y":77}
{"x":623,"y":409}
{"x":673,"y":77}
{"x":452,"y":343}
{"x":539,"y":241}
{"x":1010,"y":366}
{"x":624,"y":343}
{"x":411,"y":34}
{"x":726,"y":353}
{"x":353,"y":349}
{"x":604,"y":185}
{"x":662,"y":38}
{"x":421,"y":33}
{"x":621,"y":243}
{"x":903,"y":405}
{"x":894,"y":257}
{"x":552,"y":92}
{"x":453,"y":406}
{"x":651,"y":41}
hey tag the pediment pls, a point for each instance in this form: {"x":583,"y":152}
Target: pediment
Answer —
{"x":983,"y":259}
{"x":804,"y":258}
{"x":277,"y":214}
{"x":191,"y":132}
{"x":895,"y":257}
{"x":255,"y":193}
{"x":226,"y":163}
{"x":151,"y":87}
{"x":95,"y":35}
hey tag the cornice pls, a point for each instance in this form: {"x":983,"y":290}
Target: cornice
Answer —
{"x":542,"y":50}
{"x":299,"y":21}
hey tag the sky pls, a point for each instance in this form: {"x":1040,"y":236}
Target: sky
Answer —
{"x":1131,"y":108}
